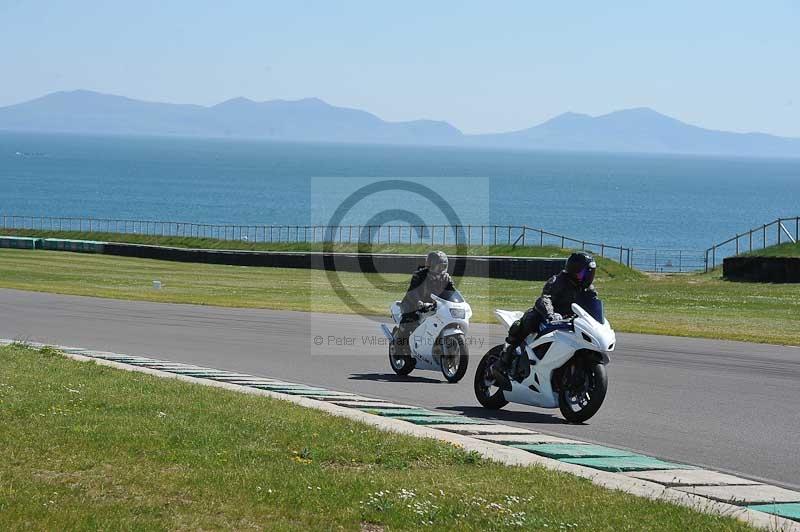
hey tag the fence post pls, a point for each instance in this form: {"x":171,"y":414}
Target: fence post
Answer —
{"x":737,"y":243}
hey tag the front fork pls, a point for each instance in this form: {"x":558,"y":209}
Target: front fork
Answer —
{"x":564,"y":378}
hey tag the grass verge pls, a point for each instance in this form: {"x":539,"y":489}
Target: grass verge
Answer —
{"x":782,"y":250}
{"x":607,"y":266}
{"x":682,"y":305}
{"x":89,"y":447}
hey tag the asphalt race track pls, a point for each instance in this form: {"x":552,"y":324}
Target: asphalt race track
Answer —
{"x":729,"y":406}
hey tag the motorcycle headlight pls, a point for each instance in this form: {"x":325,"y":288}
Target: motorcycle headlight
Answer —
{"x":458,"y":313}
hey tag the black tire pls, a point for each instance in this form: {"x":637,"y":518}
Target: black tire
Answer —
{"x":401,"y":364}
{"x":484,"y":379}
{"x":578,"y":403}
{"x":454,"y":366}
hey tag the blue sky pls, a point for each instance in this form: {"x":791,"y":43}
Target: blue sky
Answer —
{"x":483,"y":66}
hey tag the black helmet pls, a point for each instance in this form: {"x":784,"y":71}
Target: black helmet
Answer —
{"x":436,"y":262}
{"x":581,"y":268}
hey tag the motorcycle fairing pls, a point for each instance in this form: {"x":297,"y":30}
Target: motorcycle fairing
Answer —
{"x":586,"y":333}
{"x":537,"y":388}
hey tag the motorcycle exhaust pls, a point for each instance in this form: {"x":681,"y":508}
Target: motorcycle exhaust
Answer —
{"x":387,"y":333}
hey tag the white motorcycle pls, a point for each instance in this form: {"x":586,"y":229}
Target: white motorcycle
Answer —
{"x":439,"y":341}
{"x":562,"y":367}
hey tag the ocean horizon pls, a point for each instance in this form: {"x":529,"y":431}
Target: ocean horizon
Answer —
{"x":634,"y":200}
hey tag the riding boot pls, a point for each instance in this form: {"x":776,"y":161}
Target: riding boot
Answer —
{"x":502,"y":367}
{"x":403,"y":337}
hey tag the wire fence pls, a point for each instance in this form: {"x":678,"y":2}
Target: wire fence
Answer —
{"x":667,"y":260}
{"x":645,"y":259}
{"x":467,"y":235}
{"x":780,"y":231}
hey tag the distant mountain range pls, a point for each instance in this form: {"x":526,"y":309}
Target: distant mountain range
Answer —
{"x":632,"y":130}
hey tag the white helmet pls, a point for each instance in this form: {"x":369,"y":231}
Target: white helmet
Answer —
{"x":436,"y":262}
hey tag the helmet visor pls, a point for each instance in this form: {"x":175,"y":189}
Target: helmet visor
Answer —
{"x":585,"y":276}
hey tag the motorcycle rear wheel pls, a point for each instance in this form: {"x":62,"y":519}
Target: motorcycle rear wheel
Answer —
{"x":484,"y":381}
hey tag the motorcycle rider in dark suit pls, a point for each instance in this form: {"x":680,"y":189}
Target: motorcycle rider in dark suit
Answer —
{"x":431,"y":279}
{"x":572,"y":284}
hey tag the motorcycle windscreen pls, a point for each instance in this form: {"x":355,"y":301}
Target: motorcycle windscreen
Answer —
{"x":453,"y":296}
{"x":592,"y":305}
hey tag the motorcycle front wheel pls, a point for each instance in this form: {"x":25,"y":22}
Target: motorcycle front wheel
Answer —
{"x":400,"y":363}
{"x":583,"y":389}
{"x":487,"y":392}
{"x":455,"y":358}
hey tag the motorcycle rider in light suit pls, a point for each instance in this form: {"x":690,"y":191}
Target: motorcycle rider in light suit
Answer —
{"x":430,"y":279}
{"x":572,"y":285}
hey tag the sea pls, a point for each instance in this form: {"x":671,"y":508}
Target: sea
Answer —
{"x":641,"y":201}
